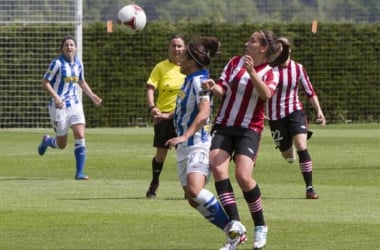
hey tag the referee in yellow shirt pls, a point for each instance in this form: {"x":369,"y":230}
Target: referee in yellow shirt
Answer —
{"x":167,"y":80}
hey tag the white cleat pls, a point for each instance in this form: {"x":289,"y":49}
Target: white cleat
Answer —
{"x":260,"y":237}
{"x":236,"y":235}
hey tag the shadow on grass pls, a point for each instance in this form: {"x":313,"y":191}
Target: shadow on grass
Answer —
{"x":25,"y":179}
{"x":166,"y":199}
{"x":346,"y":168}
{"x":121,"y":198}
{"x":284,"y":198}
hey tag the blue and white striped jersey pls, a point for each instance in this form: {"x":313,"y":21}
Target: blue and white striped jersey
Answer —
{"x":63,"y":77}
{"x":187,"y":106}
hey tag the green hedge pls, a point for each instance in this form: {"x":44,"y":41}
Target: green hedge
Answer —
{"x":342,"y":61}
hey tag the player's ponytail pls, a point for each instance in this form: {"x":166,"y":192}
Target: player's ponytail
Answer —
{"x":202,"y":49}
{"x":278,"y":48}
{"x":285,"y":52}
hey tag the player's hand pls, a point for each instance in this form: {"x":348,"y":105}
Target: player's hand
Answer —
{"x":208,"y":84}
{"x":249,"y":64}
{"x":58,"y":103}
{"x":96,"y":100}
{"x":171,"y":143}
{"x":321,"y":120}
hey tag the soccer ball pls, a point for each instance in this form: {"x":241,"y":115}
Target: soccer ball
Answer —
{"x":132,"y":16}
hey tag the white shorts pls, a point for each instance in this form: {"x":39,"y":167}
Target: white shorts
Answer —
{"x":193,"y":159}
{"x":63,"y":119}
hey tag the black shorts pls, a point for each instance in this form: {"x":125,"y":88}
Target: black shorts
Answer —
{"x":236,"y":141}
{"x":163,"y":131}
{"x":285,"y":129}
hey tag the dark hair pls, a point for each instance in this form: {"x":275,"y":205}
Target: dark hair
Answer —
{"x":202,"y":49}
{"x":286,"y":49}
{"x":276,"y":53}
{"x":176,"y":36}
{"x":69,"y":37}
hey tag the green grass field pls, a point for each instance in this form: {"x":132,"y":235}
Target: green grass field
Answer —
{"x":42,"y":207}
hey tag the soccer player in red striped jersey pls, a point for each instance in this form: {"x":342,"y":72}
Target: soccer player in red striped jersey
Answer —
{"x":245,"y":85}
{"x":287,"y":118}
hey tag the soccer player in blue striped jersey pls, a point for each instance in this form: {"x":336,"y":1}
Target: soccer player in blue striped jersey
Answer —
{"x":191,"y":117}
{"x":62,"y":81}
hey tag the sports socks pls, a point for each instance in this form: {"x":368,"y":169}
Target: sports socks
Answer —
{"x":306,"y":167}
{"x":51,"y":142}
{"x":80,"y":154}
{"x":227,"y":198}
{"x":210,"y":208}
{"x":156,"y":170}
{"x":253,"y":199}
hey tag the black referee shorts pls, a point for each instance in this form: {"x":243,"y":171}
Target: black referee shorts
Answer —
{"x":163,"y":131}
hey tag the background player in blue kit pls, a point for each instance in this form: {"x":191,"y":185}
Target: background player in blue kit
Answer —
{"x":62,"y":81}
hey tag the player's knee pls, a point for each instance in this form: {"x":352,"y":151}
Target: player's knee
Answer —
{"x":61,"y":144}
{"x":289,"y":155}
{"x":80,"y":143}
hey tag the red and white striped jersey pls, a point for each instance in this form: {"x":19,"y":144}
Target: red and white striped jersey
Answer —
{"x":286,"y":99}
{"x":241,"y":106}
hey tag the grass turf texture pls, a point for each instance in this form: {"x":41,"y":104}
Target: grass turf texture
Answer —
{"x":42,"y":207}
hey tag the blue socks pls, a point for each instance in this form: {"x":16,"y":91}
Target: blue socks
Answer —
{"x":51,"y":142}
{"x":80,"y":154}
{"x":210,"y":208}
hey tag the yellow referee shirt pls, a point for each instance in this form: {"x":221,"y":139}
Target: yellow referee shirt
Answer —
{"x":167,"y":79}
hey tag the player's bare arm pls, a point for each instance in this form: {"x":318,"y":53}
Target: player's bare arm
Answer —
{"x":87,"y":90}
{"x":321,"y":120}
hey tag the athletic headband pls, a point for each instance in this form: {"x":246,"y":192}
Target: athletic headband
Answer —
{"x":266,"y":40}
{"x":192,"y":56}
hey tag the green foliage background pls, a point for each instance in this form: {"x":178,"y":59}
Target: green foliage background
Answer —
{"x":342,"y":61}
{"x":343,"y":65}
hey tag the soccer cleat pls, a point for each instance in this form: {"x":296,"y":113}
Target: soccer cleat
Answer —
{"x":236,"y":235}
{"x":311,"y":194}
{"x":81,"y":176}
{"x":260,"y":237}
{"x":43,"y":146}
{"x":151,"y":193}
{"x":231,"y":244}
